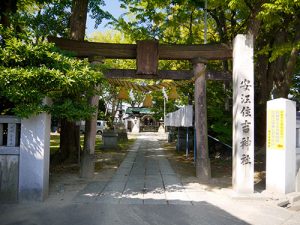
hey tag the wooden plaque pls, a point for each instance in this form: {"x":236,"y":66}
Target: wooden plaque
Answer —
{"x":147,"y":57}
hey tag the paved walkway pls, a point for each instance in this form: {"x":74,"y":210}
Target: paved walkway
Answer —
{"x":145,"y":190}
{"x":144,"y":177}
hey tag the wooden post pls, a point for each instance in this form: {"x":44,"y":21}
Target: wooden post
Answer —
{"x":202,"y":158}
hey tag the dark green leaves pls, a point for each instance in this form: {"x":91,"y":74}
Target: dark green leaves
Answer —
{"x":30,"y":72}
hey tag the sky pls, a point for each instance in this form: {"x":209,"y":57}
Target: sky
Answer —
{"x":112,"y":6}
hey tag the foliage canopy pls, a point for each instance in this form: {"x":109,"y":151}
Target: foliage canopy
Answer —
{"x":30,"y":72}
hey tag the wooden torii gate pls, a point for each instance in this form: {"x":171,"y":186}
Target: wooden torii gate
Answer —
{"x":147,"y":53}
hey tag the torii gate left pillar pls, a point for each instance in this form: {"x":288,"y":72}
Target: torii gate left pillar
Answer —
{"x":203,"y":170}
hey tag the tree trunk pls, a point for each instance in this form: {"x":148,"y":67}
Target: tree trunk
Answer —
{"x":70,"y":133}
{"x":272,"y":77}
{"x":263,"y":87}
{"x":77,"y":25}
{"x":6,"y":7}
{"x":69,"y":142}
{"x":78,"y":19}
{"x":288,"y":63}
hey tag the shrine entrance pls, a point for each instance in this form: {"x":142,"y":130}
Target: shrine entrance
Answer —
{"x":147,"y":54}
{"x":148,"y":124}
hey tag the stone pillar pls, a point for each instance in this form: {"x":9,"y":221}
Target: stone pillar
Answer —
{"x":91,"y":127}
{"x":202,"y":158}
{"x":87,"y":162}
{"x":281,"y":146}
{"x":243,"y":115}
{"x":34,"y":158}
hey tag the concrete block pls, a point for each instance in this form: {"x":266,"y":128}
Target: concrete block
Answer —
{"x":281,"y":146}
{"x":110,"y":140}
{"x":34,"y":158}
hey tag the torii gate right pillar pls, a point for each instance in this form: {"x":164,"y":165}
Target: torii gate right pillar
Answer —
{"x":203,"y":171}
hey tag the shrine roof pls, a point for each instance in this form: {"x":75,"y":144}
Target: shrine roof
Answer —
{"x":138,"y":110}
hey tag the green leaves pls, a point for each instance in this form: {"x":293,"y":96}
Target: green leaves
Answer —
{"x":30,"y":72}
{"x":219,"y":119}
{"x":70,"y":109}
{"x":97,"y":13}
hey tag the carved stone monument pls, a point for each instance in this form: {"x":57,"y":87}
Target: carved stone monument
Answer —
{"x":243,"y":115}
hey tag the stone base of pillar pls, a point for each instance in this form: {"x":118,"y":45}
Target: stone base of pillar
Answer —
{"x":203,"y":169}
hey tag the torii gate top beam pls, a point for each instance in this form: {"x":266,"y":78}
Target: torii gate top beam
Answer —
{"x":129,"y":51}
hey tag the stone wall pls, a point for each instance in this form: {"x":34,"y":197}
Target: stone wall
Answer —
{"x":9,"y":158}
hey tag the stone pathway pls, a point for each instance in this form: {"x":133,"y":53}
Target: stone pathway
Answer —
{"x":146,"y":190}
{"x":144,"y":177}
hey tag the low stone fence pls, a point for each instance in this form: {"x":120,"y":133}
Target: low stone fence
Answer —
{"x":9,"y":158}
{"x":24,"y":158}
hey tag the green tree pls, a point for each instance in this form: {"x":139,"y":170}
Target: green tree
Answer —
{"x":274,"y":25}
{"x":47,"y":17}
{"x":277,"y":38}
{"x":31,"y":72}
{"x":181,"y":22}
{"x":63,"y":18}
{"x":55,"y":14}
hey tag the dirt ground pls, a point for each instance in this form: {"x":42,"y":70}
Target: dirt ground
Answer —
{"x":65,"y":183}
{"x":221,"y":169}
{"x":185,"y":167}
